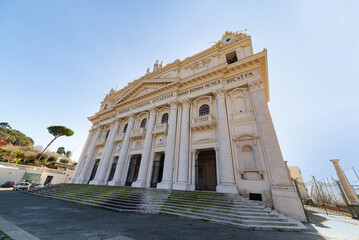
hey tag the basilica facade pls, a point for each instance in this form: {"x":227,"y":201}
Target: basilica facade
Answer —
{"x":200,"y":124}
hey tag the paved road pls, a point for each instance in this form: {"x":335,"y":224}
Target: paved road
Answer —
{"x":47,"y":218}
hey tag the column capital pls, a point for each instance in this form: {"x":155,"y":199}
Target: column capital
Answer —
{"x":153,"y":111}
{"x":334,"y":160}
{"x":195,"y":151}
{"x":219,"y":93}
{"x":257,"y":84}
{"x":100,"y":127}
{"x":173,"y":104}
{"x":131,"y":117}
{"x":185,"y":103}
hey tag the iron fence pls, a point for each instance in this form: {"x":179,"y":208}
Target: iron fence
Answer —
{"x":326,"y":196}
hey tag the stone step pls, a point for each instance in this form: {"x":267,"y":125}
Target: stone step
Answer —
{"x":204,"y":216}
{"x":229,"y":209}
{"x":136,"y":203}
{"x":218,"y":203}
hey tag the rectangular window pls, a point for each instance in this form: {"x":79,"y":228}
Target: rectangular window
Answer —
{"x":231,"y":57}
{"x":255,"y":196}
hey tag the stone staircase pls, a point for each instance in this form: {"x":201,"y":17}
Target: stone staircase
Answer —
{"x":229,"y":209}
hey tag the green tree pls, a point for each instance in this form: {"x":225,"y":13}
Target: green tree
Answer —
{"x":68,"y":154}
{"x":5,"y":125}
{"x":61,"y":151}
{"x":64,"y":160}
{"x":57,"y":131}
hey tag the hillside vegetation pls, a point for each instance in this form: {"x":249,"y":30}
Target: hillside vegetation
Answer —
{"x":15,"y":137}
{"x":19,"y":149}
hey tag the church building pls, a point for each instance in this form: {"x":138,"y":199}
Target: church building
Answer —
{"x":200,"y":124}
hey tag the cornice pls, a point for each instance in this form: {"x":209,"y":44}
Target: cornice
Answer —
{"x":218,"y":48}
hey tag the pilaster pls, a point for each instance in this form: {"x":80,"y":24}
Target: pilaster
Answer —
{"x":285,"y":197}
{"x":227,"y":184}
{"x":183,"y":171}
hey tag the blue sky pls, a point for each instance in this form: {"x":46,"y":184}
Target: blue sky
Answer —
{"x":58,"y":60}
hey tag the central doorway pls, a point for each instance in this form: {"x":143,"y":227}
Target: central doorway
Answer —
{"x":206,"y":177}
{"x":133,"y":169}
{"x":157,"y":170}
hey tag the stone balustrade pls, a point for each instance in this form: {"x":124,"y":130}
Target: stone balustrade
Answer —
{"x":101,"y":142}
{"x":203,"y":122}
{"x":119,"y":137}
{"x":138,"y":133}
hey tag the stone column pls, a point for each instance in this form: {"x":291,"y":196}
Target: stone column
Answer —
{"x":218,"y":166}
{"x":351,"y":195}
{"x":81,"y":161}
{"x":116,"y":181}
{"x":106,"y":156}
{"x":82,"y":178}
{"x":182,"y":179}
{"x":166,"y":182}
{"x":284,"y":195}
{"x":147,"y":146}
{"x":194,"y":169}
{"x":225,"y":154}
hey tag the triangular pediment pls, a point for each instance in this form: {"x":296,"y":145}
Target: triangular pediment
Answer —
{"x":146,"y":87}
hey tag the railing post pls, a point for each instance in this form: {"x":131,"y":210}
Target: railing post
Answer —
{"x":346,"y":200}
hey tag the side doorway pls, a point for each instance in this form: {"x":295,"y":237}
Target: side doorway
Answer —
{"x":157,"y":170}
{"x":94,"y":170}
{"x":133,"y":169}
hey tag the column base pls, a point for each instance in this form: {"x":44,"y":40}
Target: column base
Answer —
{"x":97,"y":182}
{"x":164,"y":185}
{"x":181,"y":186}
{"x":114,"y":183}
{"x":229,"y":188}
{"x":192,"y":187}
{"x":139,"y":184}
{"x":286,"y":200}
{"x":79,"y":181}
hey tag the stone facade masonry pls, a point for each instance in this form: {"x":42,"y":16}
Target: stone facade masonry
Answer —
{"x":198,"y":124}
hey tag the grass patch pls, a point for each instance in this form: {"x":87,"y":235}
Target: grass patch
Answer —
{"x":4,"y":236}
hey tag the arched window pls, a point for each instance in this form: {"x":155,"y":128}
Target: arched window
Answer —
{"x":143,"y":123}
{"x":108,"y":132}
{"x":204,"y":110}
{"x":104,"y":107}
{"x":164,"y":118}
{"x":125,"y":128}
{"x":249,"y":160}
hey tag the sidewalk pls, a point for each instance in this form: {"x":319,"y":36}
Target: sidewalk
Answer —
{"x":46,"y":218}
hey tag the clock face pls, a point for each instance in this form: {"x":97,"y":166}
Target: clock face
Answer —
{"x":160,"y":140}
